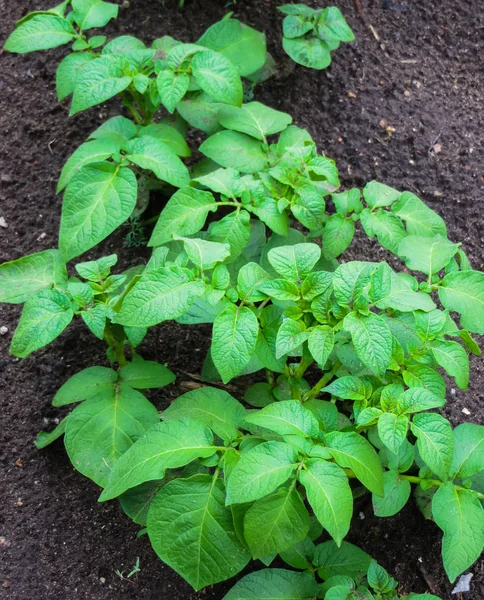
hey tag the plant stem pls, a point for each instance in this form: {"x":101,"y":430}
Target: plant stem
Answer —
{"x":437,"y":483}
{"x":302,"y":367}
{"x":321,"y":383}
{"x":296,"y":392}
{"x":415,"y":479}
{"x":116,"y":344}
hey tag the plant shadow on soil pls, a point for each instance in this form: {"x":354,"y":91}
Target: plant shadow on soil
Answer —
{"x":417,"y":66}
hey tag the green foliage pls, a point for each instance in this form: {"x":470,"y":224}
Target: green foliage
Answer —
{"x":248,"y":239}
{"x":309,"y":35}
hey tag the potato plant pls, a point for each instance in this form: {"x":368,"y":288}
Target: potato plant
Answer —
{"x":347,"y":357}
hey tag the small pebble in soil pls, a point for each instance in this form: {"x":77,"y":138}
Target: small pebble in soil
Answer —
{"x":466,"y":411}
{"x":452,"y":392}
{"x":102,"y":580}
{"x":464,"y":584}
{"x":362,"y":515}
{"x":3,"y":223}
{"x":3,"y":330}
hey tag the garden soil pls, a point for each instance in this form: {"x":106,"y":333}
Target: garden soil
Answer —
{"x":402,"y":104}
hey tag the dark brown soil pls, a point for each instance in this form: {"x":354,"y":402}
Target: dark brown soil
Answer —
{"x":417,"y":65}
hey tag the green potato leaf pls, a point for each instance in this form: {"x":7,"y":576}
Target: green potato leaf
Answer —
{"x":334,"y":25}
{"x":377,"y":194}
{"x":172,"y":87}
{"x":86,"y":384}
{"x":101,"y":429}
{"x":426,"y":254}
{"x":156,"y":156}
{"x":275,"y":523}
{"x":41,"y":32}
{"x":159,"y":296}
{"x":452,"y":357}
{"x":217,"y":77}
{"x":235,"y":150}
{"x":91,"y":152}
{"x":390,"y":290}
{"x":308,"y":51}
{"x":234,"y":339}
{"x":166,"y":445}
{"x":329,"y":495}
{"x":396,"y":492}
{"x":66,"y":74}
{"x":290,"y":336}
{"x":347,"y":387}
{"x":184,"y":214}
{"x":214,"y":408}
{"x":294,"y":262}
{"x":22,"y":278}
{"x":463,"y":292}
{"x":274,"y":584}
{"x":337,"y":235}
{"x":98,"y":199}
{"x":417,"y":399}
{"x":146,"y":374}
{"x":243,"y":46}
{"x":254,"y":119}
{"x":93,"y":13}
{"x":372,"y":340}
{"x":386,"y":226}
{"x":351,"y":450}
{"x":435,"y":442}
{"x":260,"y":471}
{"x":347,"y":560}
{"x":44,"y":317}
{"x":468,"y":458}
{"x":392,"y":430}
{"x":418,"y":217}
{"x":98,"y":81}
{"x":192,"y":531}
{"x":461,"y":517}
{"x":168,"y":135}
{"x":287,"y":417}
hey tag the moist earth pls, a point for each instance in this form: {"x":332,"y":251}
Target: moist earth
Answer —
{"x":402,"y":104}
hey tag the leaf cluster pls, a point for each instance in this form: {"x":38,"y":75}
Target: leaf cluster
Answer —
{"x":349,"y":355}
{"x":309,"y":35}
